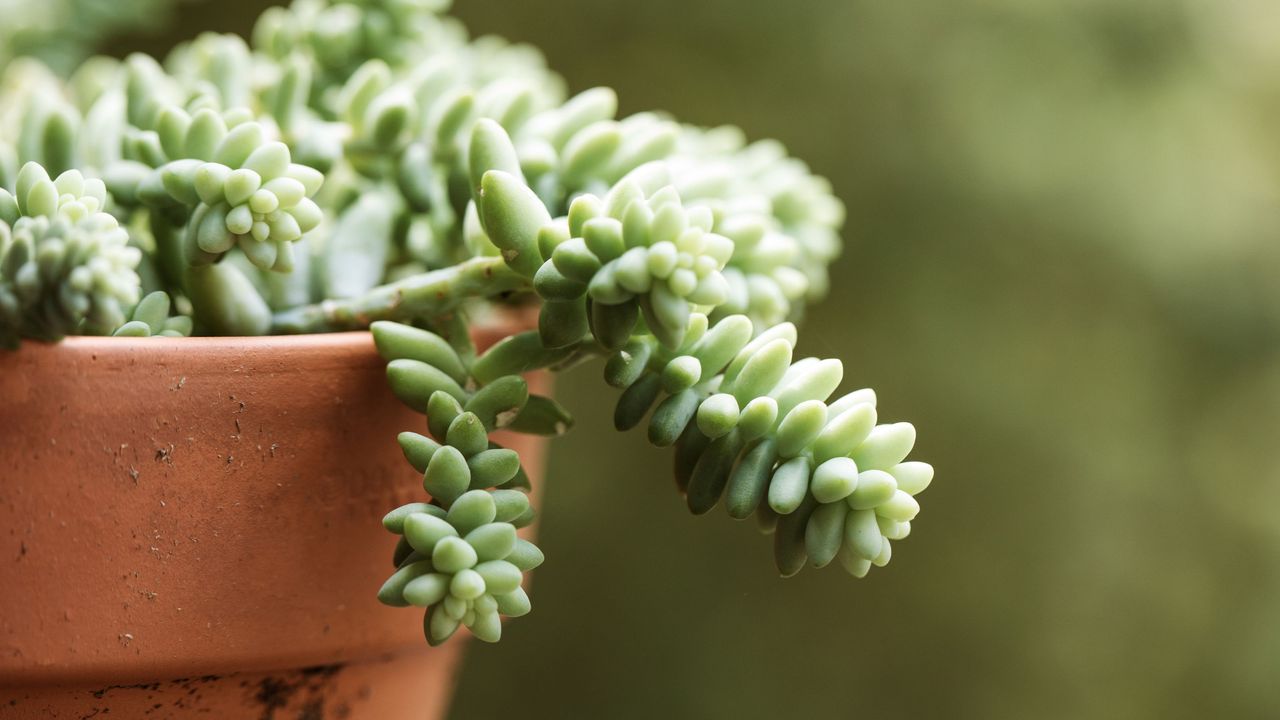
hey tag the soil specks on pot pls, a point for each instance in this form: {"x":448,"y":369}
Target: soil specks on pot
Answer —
{"x":275,"y":692}
{"x":165,"y":454}
{"x":146,"y":687}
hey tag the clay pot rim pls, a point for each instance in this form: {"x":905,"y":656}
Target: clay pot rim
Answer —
{"x":254,"y":342}
{"x":498,"y":319}
{"x":337,"y":340}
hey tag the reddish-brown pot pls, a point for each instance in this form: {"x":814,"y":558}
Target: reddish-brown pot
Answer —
{"x":191,"y":529}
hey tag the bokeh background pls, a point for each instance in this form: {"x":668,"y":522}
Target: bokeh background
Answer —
{"x":1062,"y":264}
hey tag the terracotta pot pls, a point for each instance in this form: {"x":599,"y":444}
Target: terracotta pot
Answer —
{"x":191,"y":529}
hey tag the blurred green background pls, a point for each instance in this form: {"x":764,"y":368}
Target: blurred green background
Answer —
{"x":1062,"y":265}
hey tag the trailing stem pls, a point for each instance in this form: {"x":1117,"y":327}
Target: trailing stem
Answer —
{"x":432,"y":293}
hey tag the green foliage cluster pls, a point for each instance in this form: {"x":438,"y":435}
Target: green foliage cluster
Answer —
{"x":63,"y":32}
{"x":622,"y":277}
{"x":366,"y":164}
{"x":65,"y":266}
{"x":459,"y":555}
{"x":338,"y":144}
{"x":150,"y":318}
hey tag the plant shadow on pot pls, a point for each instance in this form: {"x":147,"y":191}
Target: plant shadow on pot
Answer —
{"x":194,"y":530}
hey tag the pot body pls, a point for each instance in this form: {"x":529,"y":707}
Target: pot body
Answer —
{"x":191,"y":527}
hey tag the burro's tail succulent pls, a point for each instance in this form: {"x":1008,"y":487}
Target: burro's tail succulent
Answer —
{"x":246,"y":191}
{"x":635,"y":276}
{"x":460,"y":555}
{"x":65,"y":266}
{"x":150,"y":318}
{"x":364,"y":164}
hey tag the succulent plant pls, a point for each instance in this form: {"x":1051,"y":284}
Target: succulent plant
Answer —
{"x":65,"y":266}
{"x":45,"y":30}
{"x":364,"y":164}
{"x":150,"y":318}
{"x":462,"y":559}
{"x":247,"y":193}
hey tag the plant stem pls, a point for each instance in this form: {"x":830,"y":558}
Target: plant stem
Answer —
{"x":431,"y":293}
